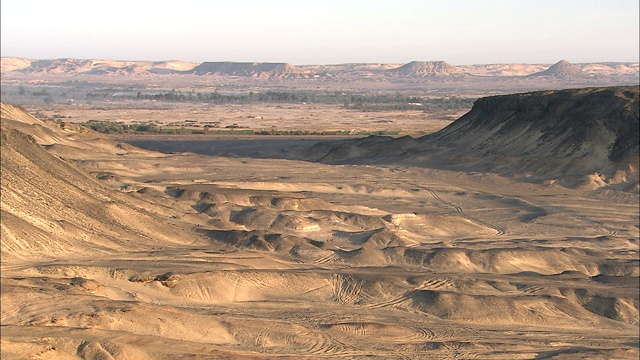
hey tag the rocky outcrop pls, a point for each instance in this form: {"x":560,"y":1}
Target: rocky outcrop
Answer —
{"x":581,"y":137}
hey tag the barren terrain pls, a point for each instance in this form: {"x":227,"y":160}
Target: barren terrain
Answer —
{"x":416,"y":98}
{"x":261,"y":117}
{"x":109,"y":251}
{"x":509,"y":233}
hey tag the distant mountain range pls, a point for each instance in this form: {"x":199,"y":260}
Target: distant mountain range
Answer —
{"x":415,"y":69}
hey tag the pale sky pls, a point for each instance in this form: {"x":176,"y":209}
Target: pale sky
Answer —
{"x":461,"y":32}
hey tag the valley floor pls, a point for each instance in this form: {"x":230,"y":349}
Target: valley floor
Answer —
{"x":289,"y":259}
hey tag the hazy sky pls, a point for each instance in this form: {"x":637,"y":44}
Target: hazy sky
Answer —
{"x":324,"y":31}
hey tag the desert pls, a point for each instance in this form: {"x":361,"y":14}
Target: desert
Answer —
{"x":357,"y":211}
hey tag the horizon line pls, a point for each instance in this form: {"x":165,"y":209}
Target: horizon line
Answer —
{"x":319,"y":64}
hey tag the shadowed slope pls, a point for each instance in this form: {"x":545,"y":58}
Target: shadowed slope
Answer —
{"x":586,"y":137}
{"x":426,"y":69}
{"x":262,"y":70}
{"x":562,"y":69}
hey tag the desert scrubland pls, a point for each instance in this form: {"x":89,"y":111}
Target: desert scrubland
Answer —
{"x":509,"y":231}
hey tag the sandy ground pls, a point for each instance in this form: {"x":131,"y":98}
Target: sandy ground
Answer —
{"x":273,"y":258}
{"x":260,"y":117}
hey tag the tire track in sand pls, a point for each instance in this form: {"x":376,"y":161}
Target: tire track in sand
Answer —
{"x":346,"y":289}
{"x":391,"y":304}
{"x":499,"y":231}
{"x":326,"y":259}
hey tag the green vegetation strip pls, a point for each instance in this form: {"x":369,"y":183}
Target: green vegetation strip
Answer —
{"x":108,"y":127}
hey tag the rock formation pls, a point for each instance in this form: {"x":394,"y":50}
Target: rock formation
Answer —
{"x":575,"y":135}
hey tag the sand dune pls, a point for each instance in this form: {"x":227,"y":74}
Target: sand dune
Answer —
{"x":109,"y":251}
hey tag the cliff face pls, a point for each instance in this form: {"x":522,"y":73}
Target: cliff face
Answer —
{"x":583,"y":137}
{"x":597,"y":123}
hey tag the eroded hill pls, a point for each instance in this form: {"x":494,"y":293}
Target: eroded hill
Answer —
{"x":582,"y":137}
{"x":51,"y":208}
{"x":563,"y":72}
{"x":426,"y":69}
{"x":258,"y":70}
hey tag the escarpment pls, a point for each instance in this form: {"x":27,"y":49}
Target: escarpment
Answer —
{"x":579,"y":135}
